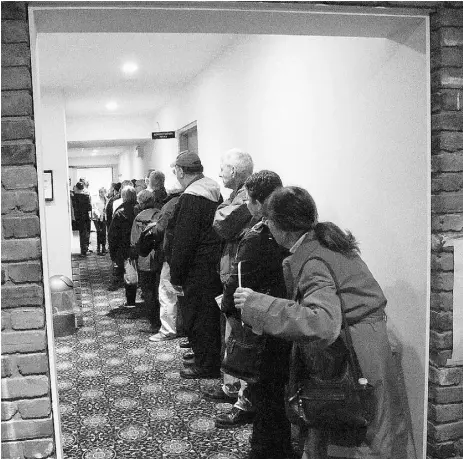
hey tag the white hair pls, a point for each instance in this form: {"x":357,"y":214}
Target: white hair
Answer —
{"x":240,"y":160}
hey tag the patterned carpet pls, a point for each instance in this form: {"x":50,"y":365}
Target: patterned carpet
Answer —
{"x":122,"y":397}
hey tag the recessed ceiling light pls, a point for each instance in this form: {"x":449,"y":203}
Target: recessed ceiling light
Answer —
{"x":129,"y":67}
{"x":111,"y":105}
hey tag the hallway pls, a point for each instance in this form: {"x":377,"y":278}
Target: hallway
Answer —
{"x":121,"y":396}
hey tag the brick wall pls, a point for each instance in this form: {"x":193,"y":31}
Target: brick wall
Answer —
{"x":27,"y":428}
{"x":445,"y":418}
{"x":27,"y":424}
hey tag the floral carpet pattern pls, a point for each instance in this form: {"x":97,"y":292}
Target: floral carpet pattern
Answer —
{"x":121,"y":396}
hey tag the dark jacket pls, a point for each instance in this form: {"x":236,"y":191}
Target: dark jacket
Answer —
{"x":109,"y":208}
{"x":231,"y":221}
{"x":82,"y":207}
{"x":160,"y":236}
{"x":119,"y":232}
{"x":261,"y":270}
{"x":195,"y":245}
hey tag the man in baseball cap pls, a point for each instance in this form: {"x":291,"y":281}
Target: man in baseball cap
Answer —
{"x":187,"y":159}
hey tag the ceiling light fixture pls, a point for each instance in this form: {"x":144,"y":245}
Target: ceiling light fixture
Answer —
{"x":111,"y":105}
{"x":129,"y":68}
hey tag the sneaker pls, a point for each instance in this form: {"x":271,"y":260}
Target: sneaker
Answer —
{"x":129,"y":306}
{"x":199,"y":373}
{"x":235,"y":418}
{"x":188,"y":356}
{"x":160,"y":337}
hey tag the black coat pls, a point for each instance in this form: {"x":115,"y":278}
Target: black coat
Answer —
{"x":82,"y":207}
{"x":119,"y":232}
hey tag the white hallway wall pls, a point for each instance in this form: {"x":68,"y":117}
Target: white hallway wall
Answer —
{"x":345,"y":118}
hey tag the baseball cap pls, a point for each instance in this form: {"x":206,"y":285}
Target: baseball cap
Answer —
{"x":187,"y":159}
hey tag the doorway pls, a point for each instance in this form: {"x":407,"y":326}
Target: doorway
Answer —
{"x":98,"y":177}
{"x":268,"y":123}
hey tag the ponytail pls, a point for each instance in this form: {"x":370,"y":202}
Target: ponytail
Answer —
{"x":334,"y":238}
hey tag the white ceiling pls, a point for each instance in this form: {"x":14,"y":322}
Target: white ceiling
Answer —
{"x":87,"y":67}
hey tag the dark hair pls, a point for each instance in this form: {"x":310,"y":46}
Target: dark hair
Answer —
{"x":80,"y":185}
{"x":192,"y":170}
{"x":293,"y":209}
{"x":260,"y":185}
{"x":117,"y":187}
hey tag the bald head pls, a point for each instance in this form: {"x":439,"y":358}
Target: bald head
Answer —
{"x":235,"y":167}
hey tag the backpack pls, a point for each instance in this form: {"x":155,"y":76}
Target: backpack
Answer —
{"x":152,"y":261}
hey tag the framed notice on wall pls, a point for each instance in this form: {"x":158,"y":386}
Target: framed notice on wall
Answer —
{"x":48,"y":185}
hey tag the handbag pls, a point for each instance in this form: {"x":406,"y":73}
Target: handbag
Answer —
{"x":243,"y":353}
{"x":343,"y":403}
{"x":130,"y":272}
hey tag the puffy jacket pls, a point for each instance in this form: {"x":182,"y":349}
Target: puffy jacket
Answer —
{"x":119,"y":232}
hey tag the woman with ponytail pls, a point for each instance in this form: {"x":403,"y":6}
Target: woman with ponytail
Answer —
{"x":311,"y":318}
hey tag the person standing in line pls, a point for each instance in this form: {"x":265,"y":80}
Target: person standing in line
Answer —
{"x":311,"y":316}
{"x":89,"y":222}
{"x":156,"y":181}
{"x":99,"y":220}
{"x":261,"y":261}
{"x":118,"y":201}
{"x":116,"y":194}
{"x":158,"y":237}
{"x":193,"y":266}
{"x":149,"y":265}
{"x":119,"y":237}
{"x":82,"y":213}
{"x":231,"y":221}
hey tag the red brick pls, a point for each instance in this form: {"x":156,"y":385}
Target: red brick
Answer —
{"x":24,"y":430}
{"x":18,"y":153}
{"x":38,"y":448}
{"x":23,"y":341}
{"x":446,"y":77}
{"x":447,"y":394}
{"x":10,"y":449}
{"x":439,"y":261}
{"x":449,"y":17}
{"x":447,"y":182}
{"x":442,"y":281}
{"x":9,"y":409}
{"x":27,"y":319}
{"x":25,"y":272}
{"x":441,"y":340}
{"x":441,"y":450}
{"x":437,"y":242}
{"x":447,"y":57}
{"x":447,"y":376}
{"x":447,"y":121}
{"x":7,"y":366}
{"x":36,"y":408}
{"x":446,"y":413}
{"x":447,"y":222}
{"x":451,"y":36}
{"x":14,"y":10}
{"x":21,"y":249}
{"x":22,"y":295}
{"x":25,"y":226}
{"x":6,"y":321}
{"x":447,"y":99}
{"x":32,"y":364}
{"x":24,"y":201}
{"x":447,"y":141}
{"x":25,"y":387}
{"x":447,"y":203}
{"x":447,"y":162}
{"x":15,"y":129}
{"x":16,"y":54}
{"x":14,"y":31}
{"x":16,"y":78}
{"x":16,"y":103}
{"x":442,"y":320}
{"x":443,"y":432}
{"x":439,"y":358}
{"x":17,"y":177}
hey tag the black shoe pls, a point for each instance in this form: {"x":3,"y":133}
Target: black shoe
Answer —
{"x":199,"y":373}
{"x":235,"y":418}
{"x":218,"y":395}
{"x":188,"y":356}
{"x":185,"y":344}
{"x":189,"y":363}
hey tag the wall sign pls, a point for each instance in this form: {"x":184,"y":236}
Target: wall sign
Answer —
{"x":163,"y":135}
{"x":48,"y":185}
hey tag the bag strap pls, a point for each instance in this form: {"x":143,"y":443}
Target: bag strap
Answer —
{"x":355,"y":366}
{"x":348,"y":338}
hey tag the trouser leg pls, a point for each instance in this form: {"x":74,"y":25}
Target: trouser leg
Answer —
{"x":149,"y":281}
{"x":271,"y":433}
{"x":83,"y":239}
{"x":130,"y":294}
{"x":167,"y":303}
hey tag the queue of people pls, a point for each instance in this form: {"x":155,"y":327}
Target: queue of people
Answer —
{"x":211,"y":270}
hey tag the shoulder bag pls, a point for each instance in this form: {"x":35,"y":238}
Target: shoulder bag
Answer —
{"x":344,"y":403}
